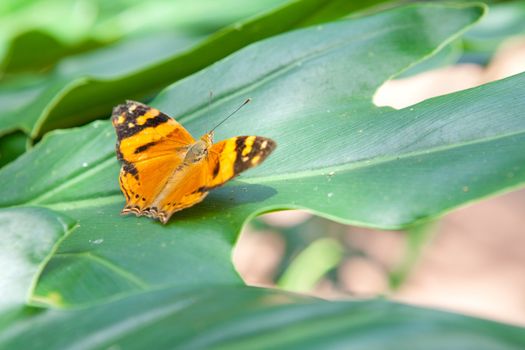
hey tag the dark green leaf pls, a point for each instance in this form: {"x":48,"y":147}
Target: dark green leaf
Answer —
{"x":249,"y":318}
{"x":12,"y":146}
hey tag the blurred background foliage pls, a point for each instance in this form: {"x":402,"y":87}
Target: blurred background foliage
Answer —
{"x":59,"y":28}
{"x":313,"y":255}
{"x":44,"y":42}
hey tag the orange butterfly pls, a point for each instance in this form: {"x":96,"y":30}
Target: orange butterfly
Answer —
{"x":165,"y":170}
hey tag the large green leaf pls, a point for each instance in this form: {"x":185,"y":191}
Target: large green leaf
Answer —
{"x":338,"y":155}
{"x":249,"y":318}
{"x":78,"y":93}
{"x":82,"y":183}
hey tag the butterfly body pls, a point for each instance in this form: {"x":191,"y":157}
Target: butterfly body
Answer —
{"x":165,"y":170}
{"x":199,"y":149}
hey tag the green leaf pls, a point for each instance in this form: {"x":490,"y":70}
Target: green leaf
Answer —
{"x":120,"y":60}
{"x":311,"y":265}
{"x":12,"y":146}
{"x":83,"y":183}
{"x":504,"y":21}
{"x":20,"y":56}
{"x":367,"y":165}
{"x":60,"y":28}
{"x":251,"y":318}
{"x":29,"y":237}
{"x":417,"y":238}
{"x":77,"y":94}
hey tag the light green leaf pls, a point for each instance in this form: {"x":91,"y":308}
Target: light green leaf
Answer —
{"x":417,"y":238}
{"x":311,"y":265}
{"x":58,"y":28}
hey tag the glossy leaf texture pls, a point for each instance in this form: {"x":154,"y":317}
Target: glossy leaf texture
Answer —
{"x":338,"y":155}
{"x":252,"y":318}
{"x":79,"y":91}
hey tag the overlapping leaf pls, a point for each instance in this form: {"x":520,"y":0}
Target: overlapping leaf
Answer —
{"x":338,"y":155}
{"x":75,"y":93}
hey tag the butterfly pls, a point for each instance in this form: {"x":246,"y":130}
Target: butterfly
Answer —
{"x":164,"y":169}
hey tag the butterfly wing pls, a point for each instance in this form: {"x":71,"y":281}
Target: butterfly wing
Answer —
{"x":150,"y":147}
{"x":225,"y":160}
{"x":228,"y":158}
{"x":181,"y":191}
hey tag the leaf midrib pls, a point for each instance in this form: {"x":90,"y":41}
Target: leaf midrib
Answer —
{"x":125,"y":274}
{"x":370,"y":162}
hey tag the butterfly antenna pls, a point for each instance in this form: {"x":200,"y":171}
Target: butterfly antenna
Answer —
{"x":232,"y":113}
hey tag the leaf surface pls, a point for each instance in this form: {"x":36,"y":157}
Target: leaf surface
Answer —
{"x":338,"y":155}
{"x":79,"y":91}
{"x":29,"y":238}
{"x":252,"y":318}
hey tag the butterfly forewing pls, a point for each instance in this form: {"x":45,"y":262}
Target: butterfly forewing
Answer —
{"x":150,"y":146}
{"x":228,"y":158}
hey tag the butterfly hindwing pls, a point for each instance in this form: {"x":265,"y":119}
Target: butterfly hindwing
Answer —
{"x":225,"y":160}
{"x":228,"y":158}
{"x":181,"y":191}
